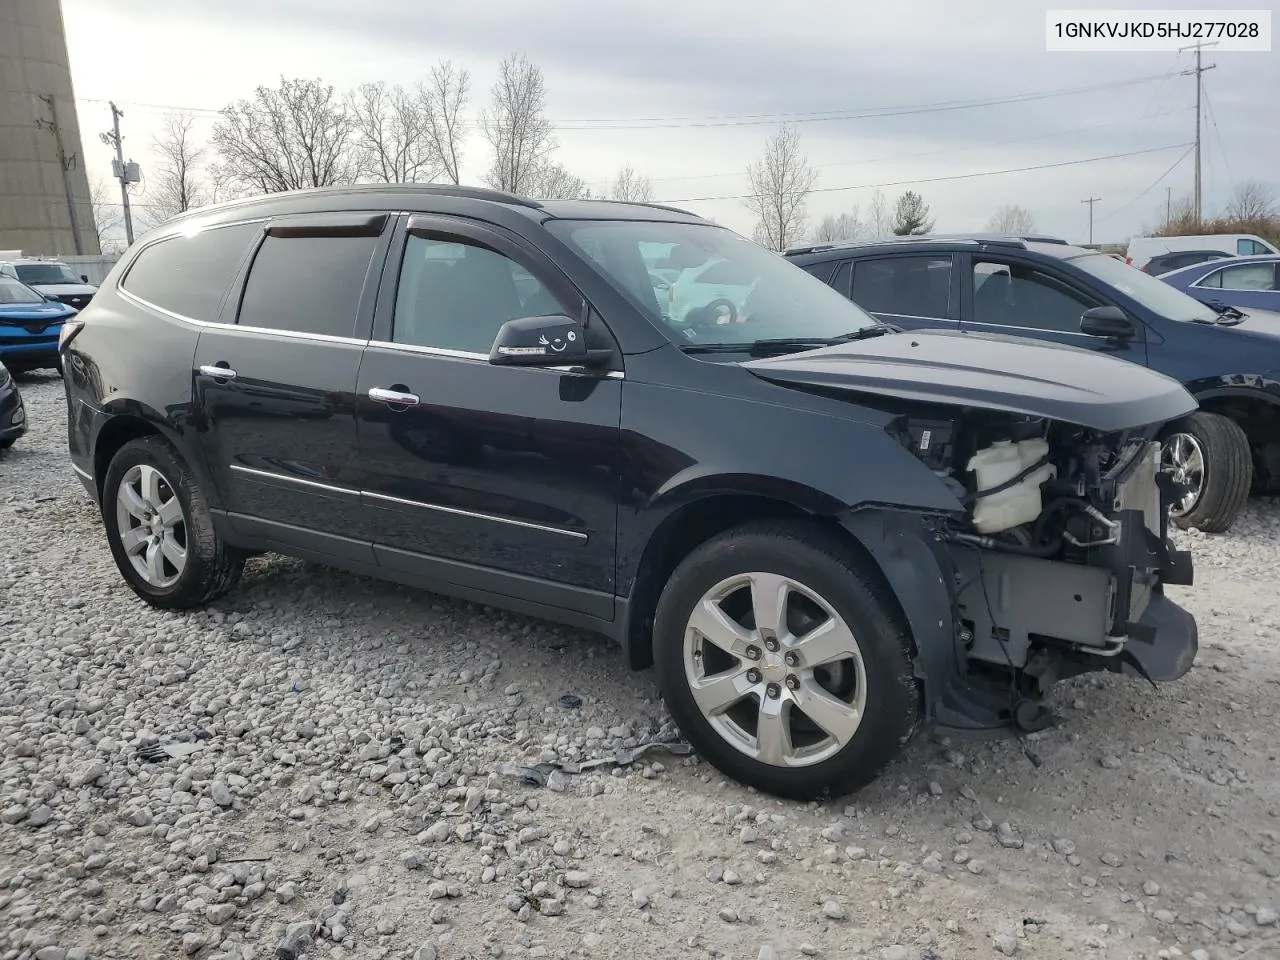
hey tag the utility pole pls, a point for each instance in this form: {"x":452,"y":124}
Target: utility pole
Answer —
{"x":66,"y":163}
{"x":113,"y":139}
{"x":1198,"y":71}
{"x":1091,"y":201}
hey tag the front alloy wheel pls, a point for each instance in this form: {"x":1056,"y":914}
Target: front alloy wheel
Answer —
{"x":1209,"y":456}
{"x":783,"y":661}
{"x":775,"y":669}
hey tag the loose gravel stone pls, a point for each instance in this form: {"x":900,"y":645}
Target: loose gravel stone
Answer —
{"x":833,"y":910}
{"x":324,"y":724}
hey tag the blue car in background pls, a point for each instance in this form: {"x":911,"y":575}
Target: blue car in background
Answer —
{"x":1241,"y":282}
{"x":29,"y":327}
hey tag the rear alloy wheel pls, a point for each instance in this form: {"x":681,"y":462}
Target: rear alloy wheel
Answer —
{"x":1208,"y":454}
{"x":160,"y":530}
{"x":781,"y":663}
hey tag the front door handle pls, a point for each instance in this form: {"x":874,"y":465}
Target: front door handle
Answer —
{"x":218,"y":372}
{"x":394,"y":398}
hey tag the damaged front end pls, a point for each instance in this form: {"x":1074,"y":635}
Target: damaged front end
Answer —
{"x":1059,"y":562}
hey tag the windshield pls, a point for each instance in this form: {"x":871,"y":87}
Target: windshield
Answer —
{"x":45,"y":273}
{"x":1156,"y":295}
{"x":706,"y":285}
{"x":11,"y":291}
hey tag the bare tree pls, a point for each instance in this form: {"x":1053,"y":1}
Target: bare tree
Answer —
{"x":107,"y":216}
{"x":175,"y":185}
{"x":551,"y":181}
{"x":1252,"y":200}
{"x":390,"y":135}
{"x":631,"y":186}
{"x":780,"y":182}
{"x":296,"y":135}
{"x":911,"y":215}
{"x":880,"y":223}
{"x":442,"y":98}
{"x":517,"y":127}
{"x":1012,"y":219}
{"x":844,"y":226}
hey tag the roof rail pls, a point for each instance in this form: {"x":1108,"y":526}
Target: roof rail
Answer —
{"x":439,"y":189}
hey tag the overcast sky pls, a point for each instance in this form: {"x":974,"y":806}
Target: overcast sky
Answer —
{"x":743,"y":63}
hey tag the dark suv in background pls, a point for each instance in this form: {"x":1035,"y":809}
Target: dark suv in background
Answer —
{"x":821,"y":533}
{"x":1229,"y":361}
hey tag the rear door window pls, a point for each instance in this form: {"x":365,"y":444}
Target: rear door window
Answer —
{"x":910,"y":286}
{"x":189,"y":275}
{"x":1246,"y":276}
{"x":310,"y":285}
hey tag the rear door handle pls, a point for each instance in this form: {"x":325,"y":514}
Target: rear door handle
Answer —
{"x":217,"y":372}
{"x":394,"y":398}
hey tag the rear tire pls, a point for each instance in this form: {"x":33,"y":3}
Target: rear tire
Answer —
{"x":816,"y":705}
{"x":160,"y":530}
{"x":1211,"y":452}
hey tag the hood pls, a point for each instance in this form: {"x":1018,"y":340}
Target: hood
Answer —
{"x":49,"y":310}
{"x":1263,"y":324}
{"x":65,"y":289}
{"x":991,"y":372}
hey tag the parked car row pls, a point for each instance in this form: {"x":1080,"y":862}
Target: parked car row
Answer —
{"x":1229,"y":361}
{"x":823,"y":531}
{"x":1153,"y":254}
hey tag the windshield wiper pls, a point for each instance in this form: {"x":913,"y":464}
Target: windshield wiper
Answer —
{"x":1229,"y":315}
{"x":768,"y":347}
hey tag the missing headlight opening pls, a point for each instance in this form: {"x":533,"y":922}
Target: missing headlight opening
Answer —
{"x":1061,"y":548}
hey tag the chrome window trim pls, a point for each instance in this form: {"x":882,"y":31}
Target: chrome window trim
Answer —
{"x":173,"y":235}
{"x":576,"y":534}
{"x":270,"y":331}
{"x":477,"y":357}
{"x":916,"y":316}
{"x":82,"y":473}
{"x":285,"y":478}
{"x":455,"y":511}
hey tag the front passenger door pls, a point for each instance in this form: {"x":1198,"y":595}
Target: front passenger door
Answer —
{"x":1020,"y":299}
{"x":497,"y":478}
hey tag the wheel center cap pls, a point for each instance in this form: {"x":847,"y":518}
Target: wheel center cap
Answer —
{"x":773,"y":666}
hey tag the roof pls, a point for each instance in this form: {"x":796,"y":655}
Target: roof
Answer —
{"x":393,"y":196}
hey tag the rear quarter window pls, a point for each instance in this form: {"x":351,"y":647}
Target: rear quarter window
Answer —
{"x":189,"y":275}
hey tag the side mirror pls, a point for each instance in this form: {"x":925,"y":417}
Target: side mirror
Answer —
{"x":84,"y":278}
{"x":540,"y":342}
{"x":1111,"y":323}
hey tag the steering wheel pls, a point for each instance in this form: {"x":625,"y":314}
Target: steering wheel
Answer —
{"x":717,"y":313}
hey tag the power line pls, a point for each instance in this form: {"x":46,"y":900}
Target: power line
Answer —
{"x":1222,"y":147}
{"x":1151,"y":186}
{"x":947,"y":151}
{"x":849,"y":113}
{"x":958,"y":176}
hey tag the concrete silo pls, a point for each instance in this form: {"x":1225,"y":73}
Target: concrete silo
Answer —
{"x":44,"y":191}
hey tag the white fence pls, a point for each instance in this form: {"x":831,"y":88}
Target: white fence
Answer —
{"x":94,"y":267}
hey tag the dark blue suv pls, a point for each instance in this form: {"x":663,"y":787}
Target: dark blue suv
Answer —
{"x":1037,"y":287}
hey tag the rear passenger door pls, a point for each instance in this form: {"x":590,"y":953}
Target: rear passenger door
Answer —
{"x":908,"y":290}
{"x":275,"y":380}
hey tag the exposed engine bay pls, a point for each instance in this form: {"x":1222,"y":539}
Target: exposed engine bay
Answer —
{"x":1062,"y":545}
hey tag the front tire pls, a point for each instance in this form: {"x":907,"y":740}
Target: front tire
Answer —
{"x":160,"y":530}
{"x":783,"y":663}
{"x":1209,"y":453}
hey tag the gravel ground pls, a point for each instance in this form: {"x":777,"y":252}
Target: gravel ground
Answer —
{"x":338,"y":795}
